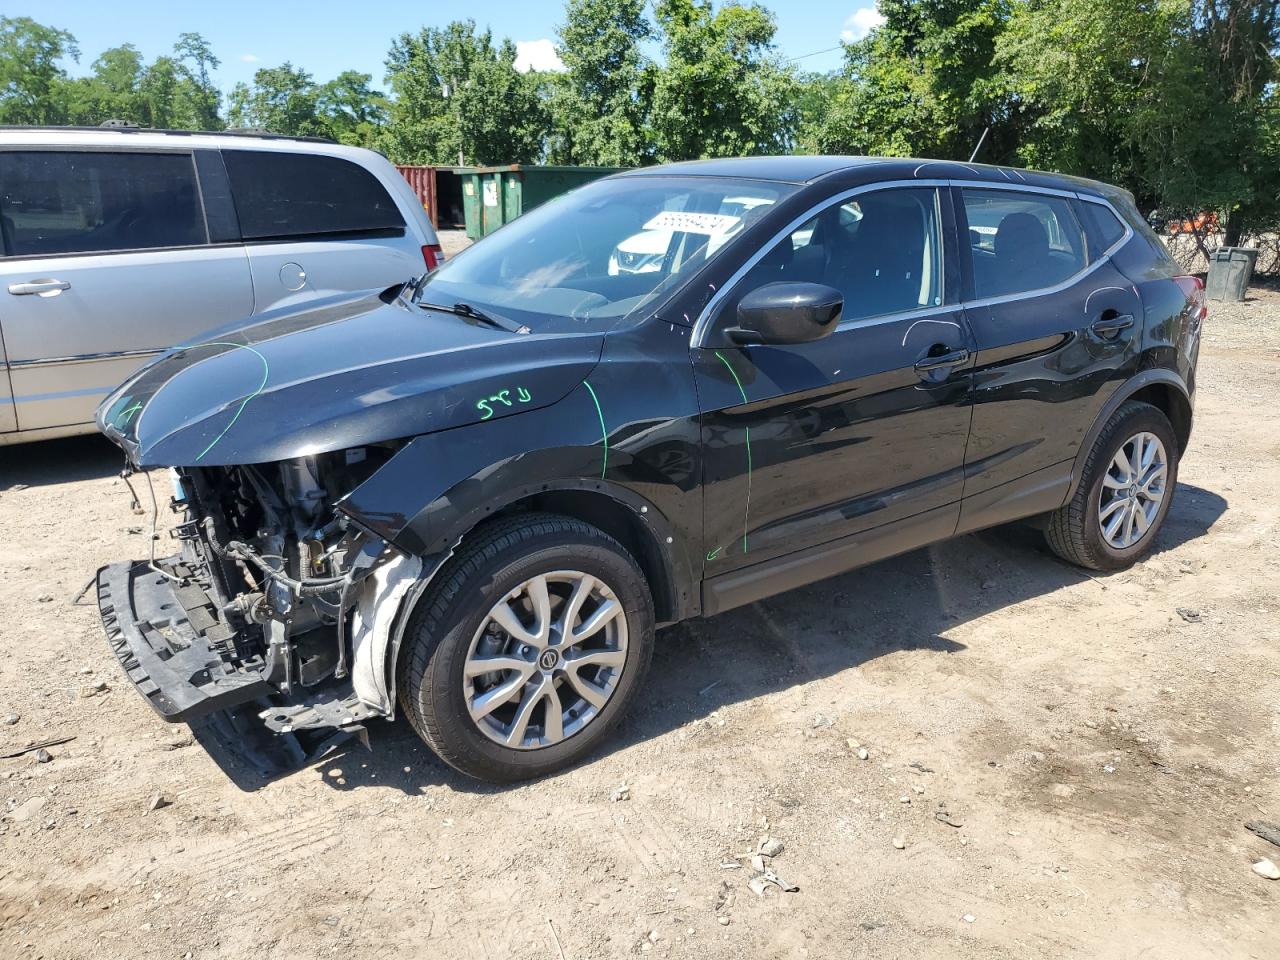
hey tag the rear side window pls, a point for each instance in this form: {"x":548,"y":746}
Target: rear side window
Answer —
{"x":1021,"y":241}
{"x":55,"y":202}
{"x":281,"y":196}
{"x":1104,"y":227}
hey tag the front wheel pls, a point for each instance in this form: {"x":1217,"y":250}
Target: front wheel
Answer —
{"x":1124,"y":494}
{"x":530,"y":646}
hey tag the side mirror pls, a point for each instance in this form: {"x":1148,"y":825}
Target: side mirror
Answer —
{"x":787,"y":313}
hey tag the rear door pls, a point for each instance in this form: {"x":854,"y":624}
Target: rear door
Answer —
{"x":866,"y":428}
{"x":107,"y":261}
{"x":316,"y":225}
{"x":1057,"y":330}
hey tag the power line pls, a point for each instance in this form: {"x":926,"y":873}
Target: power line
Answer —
{"x":814,"y":54}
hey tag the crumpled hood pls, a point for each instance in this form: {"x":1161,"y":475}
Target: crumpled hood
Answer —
{"x":341,"y":372}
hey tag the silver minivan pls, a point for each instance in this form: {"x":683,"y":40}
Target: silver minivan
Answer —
{"x":120,"y":243}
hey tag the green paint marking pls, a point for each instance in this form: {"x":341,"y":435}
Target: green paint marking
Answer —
{"x":747,"y":430}
{"x":713,"y":554}
{"x":266,"y":372}
{"x":503,"y":397}
{"x":124,"y":416}
{"x":604,"y":432}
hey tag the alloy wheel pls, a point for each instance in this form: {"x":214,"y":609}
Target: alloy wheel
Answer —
{"x":545,"y":660}
{"x":1133,"y":489}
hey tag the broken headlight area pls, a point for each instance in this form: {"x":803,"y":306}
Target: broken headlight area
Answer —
{"x":274,"y":598}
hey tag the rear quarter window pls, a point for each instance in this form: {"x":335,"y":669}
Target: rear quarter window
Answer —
{"x":1104,"y":227}
{"x":68,"y":202}
{"x":282,"y":196}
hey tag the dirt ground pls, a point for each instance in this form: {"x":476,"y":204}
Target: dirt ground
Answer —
{"x":1092,"y":754}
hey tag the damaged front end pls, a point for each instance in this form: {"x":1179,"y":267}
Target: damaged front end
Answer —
{"x":275,"y":598}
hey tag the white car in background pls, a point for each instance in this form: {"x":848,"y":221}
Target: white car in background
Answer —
{"x":644,"y":252}
{"x":119,"y":243}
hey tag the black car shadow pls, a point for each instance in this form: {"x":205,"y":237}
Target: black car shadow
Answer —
{"x":906,"y":603}
{"x":52,"y":462}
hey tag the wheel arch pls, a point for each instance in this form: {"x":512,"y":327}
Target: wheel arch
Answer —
{"x":1164,"y":390}
{"x":631,"y":520}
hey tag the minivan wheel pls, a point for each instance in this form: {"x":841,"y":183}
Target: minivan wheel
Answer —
{"x":530,"y":645}
{"x":1124,"y":494}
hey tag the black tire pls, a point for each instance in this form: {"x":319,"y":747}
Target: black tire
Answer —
{"x":1074,"y":531}
{"x":489,"y":564}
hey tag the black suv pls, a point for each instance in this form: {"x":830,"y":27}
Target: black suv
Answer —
{"x":669,"y":393}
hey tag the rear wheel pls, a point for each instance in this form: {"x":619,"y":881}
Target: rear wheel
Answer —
{"x":1124,"y":494}
{"x":530,"y":646}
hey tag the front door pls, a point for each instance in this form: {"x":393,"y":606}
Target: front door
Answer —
{"x":812,"y":442}
{"x":107,"y":262}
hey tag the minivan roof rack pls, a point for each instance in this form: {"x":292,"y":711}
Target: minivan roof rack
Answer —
{"x":124,"y":126}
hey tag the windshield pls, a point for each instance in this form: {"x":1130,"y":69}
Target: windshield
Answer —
{"x":604,"y":251}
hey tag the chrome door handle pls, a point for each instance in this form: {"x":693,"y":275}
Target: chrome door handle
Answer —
{"x":38,"y":287}
{"x":1112,"y":325}
{"x":952,"y":359}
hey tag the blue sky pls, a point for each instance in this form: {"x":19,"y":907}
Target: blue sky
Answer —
{"x":325,"y":37}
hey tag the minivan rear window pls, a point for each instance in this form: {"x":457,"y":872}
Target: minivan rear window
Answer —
{"x":282,"y":196}
{"x":66,"y":201}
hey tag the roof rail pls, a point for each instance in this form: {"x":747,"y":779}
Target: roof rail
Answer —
{"x":124,"y":126}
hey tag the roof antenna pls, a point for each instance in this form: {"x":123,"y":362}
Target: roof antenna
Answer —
{"x":981,"y":140}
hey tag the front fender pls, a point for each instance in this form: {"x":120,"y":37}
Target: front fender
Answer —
{"x":442,"y":485}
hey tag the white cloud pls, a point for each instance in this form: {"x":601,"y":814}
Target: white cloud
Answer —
{"x":862,"y":22}
{"x":249,"y":58}
{"x":537,"y":55}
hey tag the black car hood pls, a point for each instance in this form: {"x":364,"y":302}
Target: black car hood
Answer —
{"x":339,"y":373}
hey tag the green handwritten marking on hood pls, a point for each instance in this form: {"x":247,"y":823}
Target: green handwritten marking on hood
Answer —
{"x":266,"y":373}
{"x":746,"y":512}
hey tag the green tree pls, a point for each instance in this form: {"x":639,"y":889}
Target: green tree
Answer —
{"x":600,"y":105}
{"x":1171,"y":98}
{"x":282,"y":99}
{"x":31,"y":80}
{"x":111,"y":91}
{"x":918,"y":85}
{"x":196,"y":97}
{"x":458,"y":98}
{"x":353,"y":112}
{"x":722,"y":90}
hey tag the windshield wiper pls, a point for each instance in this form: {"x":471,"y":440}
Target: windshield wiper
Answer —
{"x":492,"y":319}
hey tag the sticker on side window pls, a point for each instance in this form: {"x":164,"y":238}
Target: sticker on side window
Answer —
{"x":712,"y":224}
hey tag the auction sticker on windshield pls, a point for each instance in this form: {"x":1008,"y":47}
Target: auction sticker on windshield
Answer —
{"x":678,"y":222}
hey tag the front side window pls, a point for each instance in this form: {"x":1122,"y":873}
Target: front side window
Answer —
{"x":1021,"y":241}
{"x":282,"y":196}
{"x":882,"y":250}
{"x":62,"y":201}
{"x":604,"y":251}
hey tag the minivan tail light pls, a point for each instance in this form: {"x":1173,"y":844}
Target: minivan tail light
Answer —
{"x":1193,"y":287}
{"x":432,"y":255}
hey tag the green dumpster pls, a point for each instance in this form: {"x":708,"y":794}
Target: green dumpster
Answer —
{"x":492,"y":196}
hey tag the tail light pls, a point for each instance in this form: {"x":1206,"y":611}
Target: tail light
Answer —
{"x":1193,"y":287}
{"x":432,"y":255}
